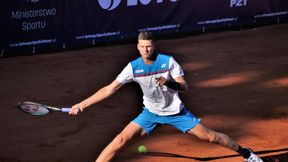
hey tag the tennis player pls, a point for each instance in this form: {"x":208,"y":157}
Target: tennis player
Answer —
{"x":160,"y":78}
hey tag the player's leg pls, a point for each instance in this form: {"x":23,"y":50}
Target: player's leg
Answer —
{"x":188,"y":123}
{"x":210,"y":135}
{"x":131,"y":130}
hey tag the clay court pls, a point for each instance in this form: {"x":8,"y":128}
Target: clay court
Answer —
{"x":238,"y":85}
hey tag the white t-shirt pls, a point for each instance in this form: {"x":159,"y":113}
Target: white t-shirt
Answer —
{"x":159,"y":100}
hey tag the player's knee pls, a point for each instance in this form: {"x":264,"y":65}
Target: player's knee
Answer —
{"x":212,"y":137}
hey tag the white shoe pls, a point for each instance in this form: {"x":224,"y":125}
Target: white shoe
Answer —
{"x":253,"y":158}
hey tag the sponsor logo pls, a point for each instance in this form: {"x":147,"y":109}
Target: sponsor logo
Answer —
{"x":238,"y":3}
{"x":139,"y":71}
{"x":112,"y":4}
{"x":109,"y":4}
{"x":163,"y":65}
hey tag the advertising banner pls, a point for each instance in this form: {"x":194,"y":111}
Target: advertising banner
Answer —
{"x":32,"y":23}
{"x":37,"y":26}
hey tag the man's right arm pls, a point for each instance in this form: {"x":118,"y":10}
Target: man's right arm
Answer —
{"x":100,"y":95}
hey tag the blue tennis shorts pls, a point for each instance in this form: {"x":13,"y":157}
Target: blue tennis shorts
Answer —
{"x":184,"y":121}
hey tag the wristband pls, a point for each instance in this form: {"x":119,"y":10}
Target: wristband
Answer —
{"x":173,"y":85}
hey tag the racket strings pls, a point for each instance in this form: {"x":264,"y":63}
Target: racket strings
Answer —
{"x":33,"y":108}
{"x":30,"y":107}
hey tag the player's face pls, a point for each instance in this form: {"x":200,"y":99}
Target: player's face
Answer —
{"x":146,"y":48}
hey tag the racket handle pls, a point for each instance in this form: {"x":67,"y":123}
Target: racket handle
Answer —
{"x":65,"y":109}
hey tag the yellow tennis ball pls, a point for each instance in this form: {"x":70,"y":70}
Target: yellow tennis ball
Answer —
{"x":142,"y":149}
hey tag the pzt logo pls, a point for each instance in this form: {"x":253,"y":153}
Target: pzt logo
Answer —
{"x":238,"y":3}
{"x":112,"y":4}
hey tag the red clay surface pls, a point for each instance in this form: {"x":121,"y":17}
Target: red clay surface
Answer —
{"x":238,"y":85}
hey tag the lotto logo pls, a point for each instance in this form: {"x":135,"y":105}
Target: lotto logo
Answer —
{"x":109,"y":4}
{"x":112,"y":4}
{"x":238,"y":3}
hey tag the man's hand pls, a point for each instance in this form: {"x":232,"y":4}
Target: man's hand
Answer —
{"x":175,"y":85}
{"x":76,"y":109}
{"x":160,"y":81}
{"x":171,"y":84}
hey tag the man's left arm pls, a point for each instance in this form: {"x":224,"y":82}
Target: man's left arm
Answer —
{"x":183,"y":84}
{"x":179,"y":84}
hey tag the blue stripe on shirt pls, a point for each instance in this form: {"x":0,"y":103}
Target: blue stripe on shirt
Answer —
{"x":161,"y":65}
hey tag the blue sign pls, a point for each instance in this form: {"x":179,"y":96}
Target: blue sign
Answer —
{"x":36,"y":26}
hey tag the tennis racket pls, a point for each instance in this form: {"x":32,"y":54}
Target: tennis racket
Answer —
{"x":34,"y":108}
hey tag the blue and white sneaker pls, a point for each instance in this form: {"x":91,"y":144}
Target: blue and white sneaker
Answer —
{"x":253,"y":157}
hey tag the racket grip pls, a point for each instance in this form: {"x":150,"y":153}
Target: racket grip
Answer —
{"x":65,"y":109}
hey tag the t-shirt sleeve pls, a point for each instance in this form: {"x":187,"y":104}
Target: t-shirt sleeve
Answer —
{"x":126,"y":75}
{"x":175,"y":69}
